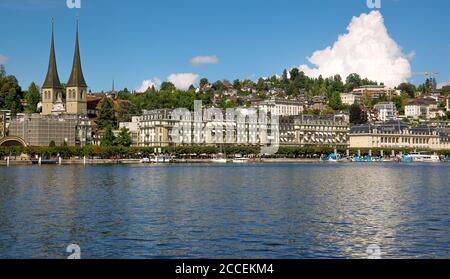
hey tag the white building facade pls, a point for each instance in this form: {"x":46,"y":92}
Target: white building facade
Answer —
{"x":280,"y":107}
{"x":386,"y":111}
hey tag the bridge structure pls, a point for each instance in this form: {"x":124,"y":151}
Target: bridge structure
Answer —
{"x":13,"y":141}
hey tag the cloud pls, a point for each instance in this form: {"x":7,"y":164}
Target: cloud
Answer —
{"x":202,"y":60}
{"x":156,"y":82}
{"x":366,"y":49}
{"x":183,"y":80}
{"x":3,"y":59}
{"x":411,"y":55}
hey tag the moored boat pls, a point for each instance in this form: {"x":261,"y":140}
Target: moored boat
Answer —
{"x":161,"y":159}
{"x":241,"y":160}
{"x":422,"y":157}
{"x":219,"y":161}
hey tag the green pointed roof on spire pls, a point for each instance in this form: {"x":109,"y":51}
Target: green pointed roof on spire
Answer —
{"x":76,"y":77}
{"x":52,"y":78}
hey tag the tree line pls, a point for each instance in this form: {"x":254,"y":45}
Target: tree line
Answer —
{"x":108,"y":152}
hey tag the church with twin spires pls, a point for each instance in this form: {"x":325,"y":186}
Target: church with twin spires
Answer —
{"x":75,"y":102}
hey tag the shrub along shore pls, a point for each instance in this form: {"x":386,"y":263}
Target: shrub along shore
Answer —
{"x":119,"y":152}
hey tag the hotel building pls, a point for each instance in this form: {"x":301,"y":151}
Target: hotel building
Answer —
{"x":156,"y":129}
{"x":280,"y":106}
{"x":397,"y":134}
{"x":314,"y":130}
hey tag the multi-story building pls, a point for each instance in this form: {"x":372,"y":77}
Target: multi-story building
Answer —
{"x":133,"y":128}
{"x":39,"y":130}
{"x":397,"y":134}
{"x":5,"y":117}
{"x":314,"y":130}
{"x":350,"y":98}
{"x":386,"y":111}
{"x":2,"y":125}
{"x":376,"y":91}
{"x":421,"y":108}
{"x":280,"y":106}
{"x":156,"y":129}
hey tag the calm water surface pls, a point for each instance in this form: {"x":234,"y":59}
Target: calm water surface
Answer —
{"x":199,"y":211}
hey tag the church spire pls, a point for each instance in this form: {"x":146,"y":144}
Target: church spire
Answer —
{"x":76,"y":77}
{"x":52,"y":78}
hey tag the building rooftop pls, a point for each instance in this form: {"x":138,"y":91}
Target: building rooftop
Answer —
{"x":421,"y":102}
{"x":76,"y":77}
{"x":52,"y":78}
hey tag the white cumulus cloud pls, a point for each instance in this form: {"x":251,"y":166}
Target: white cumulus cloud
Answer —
{"x":148,"y":83}
{"x":366,"y":49}
{"x":202,"y":60}
{"x":3,"y":59}
{"x":183,"y":80}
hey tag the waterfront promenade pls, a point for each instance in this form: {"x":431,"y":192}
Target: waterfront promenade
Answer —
{"x":137,"y":161}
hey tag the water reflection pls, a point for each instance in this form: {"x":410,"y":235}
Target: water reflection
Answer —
{"x":198,"y":211}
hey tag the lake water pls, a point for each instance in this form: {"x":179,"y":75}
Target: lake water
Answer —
{"x":229,"y":211}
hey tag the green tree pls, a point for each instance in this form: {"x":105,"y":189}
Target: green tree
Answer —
{"x":336,"y":101}
{"x":446,"y":90}
{"x":408,"y":88}
{"x":400,"y":102}
{"x":127,"y":109}
{"x":203,"y":82}
{"x":10,"y":94}
{"x":107,"y":114}
{"x":12,"y":100}
{"x":2,"y":71}
{"x":353,"y":81}
{"x":125,"y":94}
{"x":124,"y":138}
{"x":294,"y":73}
{"x":357,"y":115}
{"x":218,"y":86}
{"x":167,"y":86}
{"x":52,"y":144}
{"x":108,"y":138}
{"x":328,"y":110}
{"x":237,"y":85}
{"x":33,"y":97}
{"x":261,"y":85}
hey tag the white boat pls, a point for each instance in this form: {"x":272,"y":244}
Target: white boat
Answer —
{"x":241,"y":160}
{"x":161,"y":159}
{"x":420,"y":157}
{"x":144,"y":161}
{"x":219,"y":161}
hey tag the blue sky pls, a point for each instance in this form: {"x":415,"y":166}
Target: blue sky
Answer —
{"x":133,"y":41}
